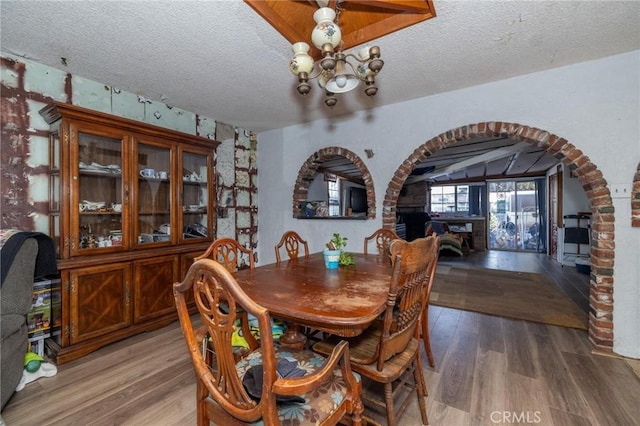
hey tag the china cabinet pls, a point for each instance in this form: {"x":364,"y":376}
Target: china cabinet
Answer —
{"x":129,"y":209}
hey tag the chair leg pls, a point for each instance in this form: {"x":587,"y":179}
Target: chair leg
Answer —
{"x":421,"y":389}
{"x":201,"y":407}
{"x":388,"y":399}
{"x":357,"y":415}
{"x":425,"y":336}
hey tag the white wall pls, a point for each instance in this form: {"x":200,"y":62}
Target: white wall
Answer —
{"x":574,"y":199}
{"x":594,"y":105}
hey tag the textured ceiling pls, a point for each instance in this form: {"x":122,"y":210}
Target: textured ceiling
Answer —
{"x":222,"y":60}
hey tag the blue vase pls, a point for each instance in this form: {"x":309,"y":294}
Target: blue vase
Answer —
{"x":331,"y":258}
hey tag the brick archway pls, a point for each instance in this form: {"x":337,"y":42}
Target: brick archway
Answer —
{"x":594,"y":184}
{"x":309,"y":169}
{"x":635,"y":200}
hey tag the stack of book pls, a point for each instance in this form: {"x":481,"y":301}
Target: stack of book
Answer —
{"x":44,"y":313}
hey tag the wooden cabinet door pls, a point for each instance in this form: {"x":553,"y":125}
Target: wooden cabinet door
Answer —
{"x":153,"y":295}
{"x":186,"y":260}
{"x":100,"y":300}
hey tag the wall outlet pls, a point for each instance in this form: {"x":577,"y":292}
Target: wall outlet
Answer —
{"x":620,"y":190}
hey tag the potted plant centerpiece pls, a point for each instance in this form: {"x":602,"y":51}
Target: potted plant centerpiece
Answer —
{"x":334,"y":254}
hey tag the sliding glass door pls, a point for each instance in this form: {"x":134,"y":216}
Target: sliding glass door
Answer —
{"x":516,"y":215}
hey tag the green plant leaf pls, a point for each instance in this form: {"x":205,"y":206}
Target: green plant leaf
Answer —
{"x":346,"y":259}
{"x":338,"y":242}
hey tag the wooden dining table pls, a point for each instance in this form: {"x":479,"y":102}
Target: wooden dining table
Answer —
{"x":303,"y":291}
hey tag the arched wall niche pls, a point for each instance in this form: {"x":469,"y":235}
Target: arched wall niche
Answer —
{"x":635,"y":200}
{"x":591,"y":179}
{"x":309,"y":169}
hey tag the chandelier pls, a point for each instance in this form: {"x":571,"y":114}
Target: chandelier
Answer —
{"x":337,"y":72}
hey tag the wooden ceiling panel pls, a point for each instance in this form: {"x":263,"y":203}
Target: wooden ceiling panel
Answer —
{"x":360,"y":21}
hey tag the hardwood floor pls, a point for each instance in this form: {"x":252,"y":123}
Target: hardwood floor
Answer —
{"x":572,"y":283}
{"x":489,"y":370}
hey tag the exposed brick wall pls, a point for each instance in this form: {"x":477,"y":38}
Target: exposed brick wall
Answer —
{"x":246,"y":190}
{"x":635,"y":200}
{"x":595,"y":186}
{"x":17,"y":206}
{"x":309,"y":170}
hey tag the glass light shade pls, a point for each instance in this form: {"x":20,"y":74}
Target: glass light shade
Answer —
{"x":326,"y":31}
{"x":301,"y":61}
{"x":363,"y":53}
{"x":342,"y":81}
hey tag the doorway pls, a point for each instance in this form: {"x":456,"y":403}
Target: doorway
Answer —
{"x":602,"y":270}
{"x":516,"y":215}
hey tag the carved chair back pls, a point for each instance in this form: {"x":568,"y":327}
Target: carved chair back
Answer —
{"x":383,"y":238}
{"x":292,"y":243}
{"x":229,"y":253}
{"x":412,"y":265}
{"x":432,"y":255}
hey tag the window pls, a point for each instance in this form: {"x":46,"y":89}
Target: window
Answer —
{"x":450,"y":198}
{"x":334,"y":197}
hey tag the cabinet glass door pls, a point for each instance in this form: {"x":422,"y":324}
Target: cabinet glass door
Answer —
{"x":196,"y":205}
{"x":153,"y":194}
{"x":99,"y":200}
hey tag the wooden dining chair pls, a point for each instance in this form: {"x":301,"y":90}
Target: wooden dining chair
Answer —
{"x":292,"y":243}
{"x":269,"y":385}
{"x":230,"y":253}
{"x":388,"y":351}
{"x":433,"y":256}
{"x":382,"y":238}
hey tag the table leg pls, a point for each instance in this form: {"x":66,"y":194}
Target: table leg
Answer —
{"x":293,"y":338}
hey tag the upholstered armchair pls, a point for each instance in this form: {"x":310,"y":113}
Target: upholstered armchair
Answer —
{"x":15,"y":297}
{"x":25,"y":256}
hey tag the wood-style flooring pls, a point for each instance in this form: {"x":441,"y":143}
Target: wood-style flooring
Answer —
{"x":573,"y":284}
{"x":489,"y":370}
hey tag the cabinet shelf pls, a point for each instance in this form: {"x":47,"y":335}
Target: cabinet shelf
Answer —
{"x":100,"y":174}
{"x":148,"y":179}
{"x":106,"y":213}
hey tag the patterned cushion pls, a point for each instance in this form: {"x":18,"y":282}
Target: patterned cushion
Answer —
{"x":451,"y":243}
{"x":320,"y":403}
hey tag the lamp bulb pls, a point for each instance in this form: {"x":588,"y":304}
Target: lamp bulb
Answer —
{"x":341,"y":81}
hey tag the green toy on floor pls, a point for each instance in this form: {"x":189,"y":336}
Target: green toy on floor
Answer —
{"x":34,"y":368}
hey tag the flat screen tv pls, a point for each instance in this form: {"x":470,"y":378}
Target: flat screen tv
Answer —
{"x":358,"y":200}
